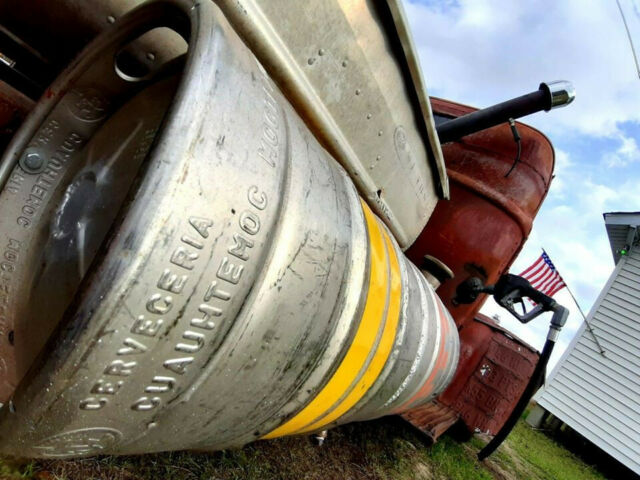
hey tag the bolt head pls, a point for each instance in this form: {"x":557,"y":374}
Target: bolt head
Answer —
{"x":32,"y":161}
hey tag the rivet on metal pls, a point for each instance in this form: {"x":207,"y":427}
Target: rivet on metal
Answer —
{"x":32,"y":161}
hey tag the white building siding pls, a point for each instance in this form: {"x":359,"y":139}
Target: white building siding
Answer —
{"x":599,"y":397}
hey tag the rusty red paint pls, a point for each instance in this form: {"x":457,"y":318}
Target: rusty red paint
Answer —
{"x":493,"y":371}
{"x":483,"y":227}
{"x":432,"y":419}
{"x":479,"y":232}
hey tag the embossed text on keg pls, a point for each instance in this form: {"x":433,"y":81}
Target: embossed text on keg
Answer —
{"x":193,"y":339}
{"x":7,"y":268}
{"x":83,"y":441}
{"x":181,"y":265}
{"x":43,"y":138}
{"x":268,"y":149}
{"x":147,"y":326}
{"x":14,"y":184}
{"x":88,"y":104}
{"x":46,"y":133}
{"x":46,"y":179}
{"x":409,"y":163}
{"x":211,"y":306}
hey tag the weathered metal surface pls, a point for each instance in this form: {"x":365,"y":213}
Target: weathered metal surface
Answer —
{"x":55,"y":219}
{"x":432,"y":419}
{"x":416,"y":72}
{"x":349,"y":69}
{"x":243,"y":291}
{"x":365,"y":119}
{"x":482,"y":228}
{"x":493,"y":371}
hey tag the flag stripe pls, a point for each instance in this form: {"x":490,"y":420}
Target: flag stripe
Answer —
{"x":543,"y":276}
{"x":538,"y":281}
{"x":534,"y":273}
{"x":535,"y":278}
{"x":553,"y":285}
{"x":557,"y":289}
{"x":536,"y":264}
{"x":546,"y":286}
{"x":544,"y":281}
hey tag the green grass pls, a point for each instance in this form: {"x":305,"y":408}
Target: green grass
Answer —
{"x":452,"y":460}
{"x":387,"y":449}
{"x":546,"y":458}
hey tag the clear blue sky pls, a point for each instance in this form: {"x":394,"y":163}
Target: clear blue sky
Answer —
{"x":480,"y":52}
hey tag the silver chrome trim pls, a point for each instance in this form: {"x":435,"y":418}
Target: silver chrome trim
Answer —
{"x":561,"y":92}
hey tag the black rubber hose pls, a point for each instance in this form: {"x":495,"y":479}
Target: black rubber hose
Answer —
{"x":495,"y":115}
{"x":536,"y":380}
{"x":518,"y":140}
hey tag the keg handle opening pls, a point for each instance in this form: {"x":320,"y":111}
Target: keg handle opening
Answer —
{"x":179,"y":16}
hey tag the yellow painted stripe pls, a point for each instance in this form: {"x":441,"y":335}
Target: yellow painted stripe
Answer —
{"x":362,"y":343}
{"x":384,"y":346}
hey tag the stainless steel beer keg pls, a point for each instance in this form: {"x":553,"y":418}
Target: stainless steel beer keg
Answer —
{"x":349,"y":68}
{"x":185,"y":267}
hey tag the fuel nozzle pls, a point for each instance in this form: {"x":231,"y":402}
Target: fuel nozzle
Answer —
{"x":507,"y":292}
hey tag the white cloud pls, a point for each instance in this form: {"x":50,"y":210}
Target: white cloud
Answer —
{"x":627,"y":153}
{"x":483,"y":52}
{"x":563,"y":166}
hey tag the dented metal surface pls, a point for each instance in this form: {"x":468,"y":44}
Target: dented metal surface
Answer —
{"x":243,"y":290}
{"x":55,"y":217}
{"x":349,"y":69}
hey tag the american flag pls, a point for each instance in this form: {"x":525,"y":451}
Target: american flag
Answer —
{"x":543,"y":276}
